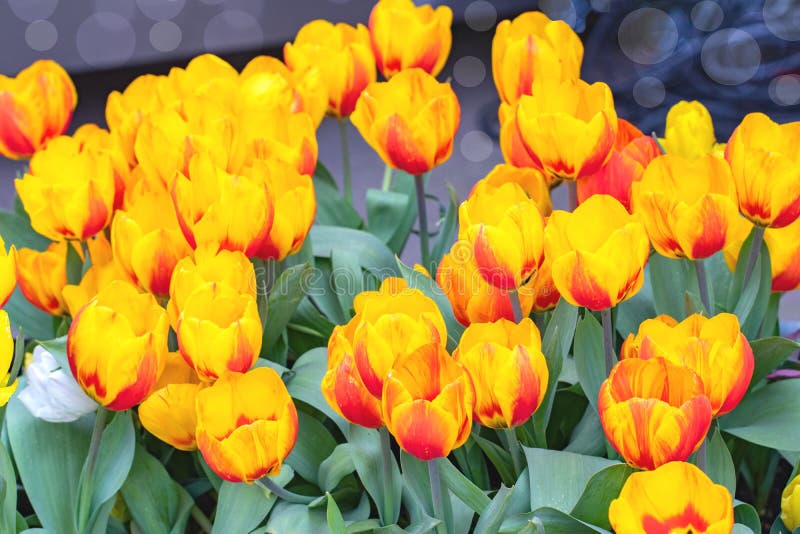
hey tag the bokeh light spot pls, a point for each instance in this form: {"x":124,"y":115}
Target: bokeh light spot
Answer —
{"x":648,"y":36}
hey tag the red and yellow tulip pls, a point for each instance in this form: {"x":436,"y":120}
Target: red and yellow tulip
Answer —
{"x":42,"y":276}
{"x":8,"y":272}
{"x":784,"y":252}
{"x":103,"y":271}
{"x":170,"y":414}
{"x":6,"y":359}
{"x":532,"y":181}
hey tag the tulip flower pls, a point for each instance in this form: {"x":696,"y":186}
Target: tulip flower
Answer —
{"x":676,"y":497}
{"x":714,"y":348}
{"x":147,"y":240}
{"x":410,"y":121}
{"x":790,"y":504}
{"x":342,"y":53}
{"x":246,"y":425}
{"x":405,"y":36}
{"x":765,"y":164}
{"x":532,"y":181}
{"x":388,"y":323}
{"x":8,"y":272}
{"x":35,"y":107}
{"x":507,"y":232}
{"x":565,"y":128}
{"x":531,"y":47}
{"x":164,"y":146}
{"x":632,"y":153}
{"x":540,"y":289}
{"x":219,"y":330}
{"x":427,"y":402}
{"x":117,"y":345}
{"x":176,"y":371}
{"x":51,"y":393}
{"x":42,"y":276}
{"x":68,"y":192}
{"x":94,"y":139}
{"x":507,"y":367}
{"x":170,"y":414}
{"x":784,"y":253}
{"x":689,"y":131}
{"x":598,"y":252}
{"x":653,"y":411}
{"x":687,"y":205}
{"x":103,"y":271}
{"x":218,"y":209}
{"x":6,"y":359}
{"x":231,"y":268}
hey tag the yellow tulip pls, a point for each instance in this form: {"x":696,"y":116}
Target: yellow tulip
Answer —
{"x":6,"y":359}
{"x":689,"y":132}
{"x":8,"y":272}
{"x":42,"y":276}
{"x":784,"y":252}
{"x":531,"y":180}
{"x":103,"y":271}
{"x":170,"y":414}
{"x":790,"y":505}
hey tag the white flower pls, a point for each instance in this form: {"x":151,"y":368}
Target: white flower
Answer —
{"x":51,"y":393}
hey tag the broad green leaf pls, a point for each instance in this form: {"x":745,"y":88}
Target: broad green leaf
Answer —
{"x":8,"y":493}
{"x":391,"y":214}
{"x":373,"y":254}
{"x":636,"y":309}
{"x":286,"y":294}
{"x":719,"y":464}
{"x":588,"y":436}
{"x":335,"y":467}
{"x":322,"y":174}
{"x":308,"y":328}
{"x":769,"y":416}
{"x":769,"y":353}
{"x":447,"y":227}
{"x":332,"y":209}
{"x":334,"y":517}
{"x":762,"y":275}
{"x":35,"y":323}
{"x":242,"y":507}
{"x":492,"y":517}
{"x":498,"y":456}
{"x":309,"y":452}
{"x":746,"y":515}
{"x":287,"y":517}
{"x":602,"y":488}
{"x":367,"y":456}
{"x":15,"y":227}
{"x":348,"y":280}
{"x":555,"y":521}
{"x":670,"y":280}
{"x":462,"y":487}
{"x":305,"y":381}
{"x":589,"y":357}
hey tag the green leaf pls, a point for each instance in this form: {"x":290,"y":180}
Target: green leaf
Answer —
{"x":746,"y":515}
{"x":335,"y":467}
{"x":557,"y":478}
{"x":589,"y":357}
{"x":602,"y":488}
{"x":492,"y":517}
{"x":49,"y":473}
{"x":500,"y":458}
{"x":310,"y":451}
{"x":286,"y":294}
{"x":719,"y":464}
{"x":35,"y":323}
{"x":769,"y":416}
{"x":632,"y":312}
{"x":769,"y":353}
{"x":322,"y":173}
{"x":554,"y":521}
{"x":15,"y":227}
{"x":74,"y":266}
{"x":334,"y":517}
{"x":670,"y":280}
{"x":331,"y":207}
{"x":762,"y":279}
{"x":737,"y":282}
{"x":242,"y":507}
{"x":287,"y":517}
{"x":305,"y":381}
{"x":373,"y":254}
{"x":462,"y":487}
{"x":588,"y":436}
{"x":348,"y":280}
{"x":8,"y":493}
{"x":367,"y":456}
{"x":448,"y":226}
{"x":391,"y":214}
{"x":155,"y":501}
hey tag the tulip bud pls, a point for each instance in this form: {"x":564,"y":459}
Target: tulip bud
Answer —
{"x":598,"y":251}
{"x":6,"y":359}
{"x":246,"y":425}
{"x":427,"y":403}
{"x":405,"y":36}
{"x":343,"y":55}
{"x":676,"y":497}
{"x":790,"y":505}
{"x":410,"y":121}
{"x":689,"y":132}
{"x":117,"y":346}
{"x":653,"y":411}
{"x":8,"y":272}
{"x":170,"y":414}
{"x":35,"y":107}
{"x":43,"y":275}
{"x":507,"y":367}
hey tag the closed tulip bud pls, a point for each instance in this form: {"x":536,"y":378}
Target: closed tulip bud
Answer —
{"x":8,"y":272}
{"x":565,"y":128}
{"x":219,"y":330}
{"x":507,"y":367}
{"x":170,"y":414}
{"x":103,"y":271}
{"x":246,"y":425}
{"x":6,"y":359}
{"x":405,"y":36}
{"x":68,"y":192}
{"x":689,"y":131}
{"x":531,"y":47}
{"x":42,"y":276}
{"x":224,"y":210}
{"x":790,"y":505}
{"x":598,"y":252}
{"x":765,"y":164}
{"x":391,"y":322}
{"x":410,"y":121}
{"x":117,"y":346}
{"x":784,"y":252}
{"x":632,"y":153}
{"x":687,"y":205}
{"x":507,"y":232}
{"x":427,"y":403}
{"x":147,"y":240}
{"x":231,"y":268}
{"x":653,"y":411}
{"x":532,"y":181}
{"x":714,"y":348}
{"x":342,"y":53}
{"x":676,"y":497}
{"x":35,"y":107}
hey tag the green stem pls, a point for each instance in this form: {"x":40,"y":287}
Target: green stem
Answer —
{"x":91,"y":461}
{"x":516,"y":305}
{"x":437,"y":495}
{"x":702,"y":284}
{"x":387,"y":178}
{"x":572,"y":194}
{"x":270,"y":486}
{"x":387,"y":457}
{"x":419,"y":181}
{"x":348,"y":186}
{"x":755,"y":250}
{"x":608,"y":340}
{"x":515,"y":450}
{"x":200,"y":518}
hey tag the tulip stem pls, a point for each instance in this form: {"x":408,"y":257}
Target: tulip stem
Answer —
{"x":516,"y":306}
{"x":608,"y":339}
{"x":87,"y":487}
{"x":388,"y":172}
{"x":419,"y":181}
{"x":348,"y":186}
{"x":514,"y":449}
{"x":572,"y":194}
{"x":437,"y":495}
{"x":702,"y":284}
{"x":755,"y":250}
{"x":271,"y":486}
{"x":200,"y":518}
{"x":386,"y":453}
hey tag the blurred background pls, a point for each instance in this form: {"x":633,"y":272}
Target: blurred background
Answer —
{"x":735,"y":56}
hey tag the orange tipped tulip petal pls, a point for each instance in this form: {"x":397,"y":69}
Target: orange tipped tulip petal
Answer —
{"x":246,"y":425}
{"x":427,"y":403}
{"x":35,"y":107}
{"x":117,"y":346}
{"x":653,"y":411}
{"x":765,"y":163}
{"x":170,"y":414}
{"x":42,"y":277}
{"x":676,"y":497}
{"x":508,"y":370}
{"x":405,"y":36}
{"x":714,"y":348}
{"x":532,"y":181}
{"x":8,"y":272}
{"x":410,"y":121}
{"x":598,"y":252}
